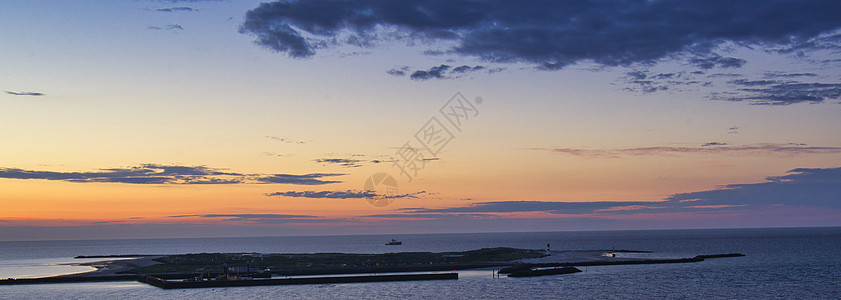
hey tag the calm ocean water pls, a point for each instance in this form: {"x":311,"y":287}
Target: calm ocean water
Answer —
{"x":790,"y":263}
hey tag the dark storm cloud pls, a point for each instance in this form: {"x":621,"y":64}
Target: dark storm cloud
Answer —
{"x":800,"y":187}
{"x":349,"y":194}
{"x":554,"y":34}
{"x":24,"y":93}
{"x":165,"y":174}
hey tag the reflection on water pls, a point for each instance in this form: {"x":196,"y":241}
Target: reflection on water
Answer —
{"x":29,"y":268}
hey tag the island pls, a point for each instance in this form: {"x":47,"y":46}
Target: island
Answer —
{"x":197,"y":270}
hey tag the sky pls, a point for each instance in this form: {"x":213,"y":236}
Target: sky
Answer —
{"x":191,"y":118}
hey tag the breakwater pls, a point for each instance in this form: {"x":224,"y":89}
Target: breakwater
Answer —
{"x":698,"y":258}
{"x":67,"y":279}
{"x":186,"y":284}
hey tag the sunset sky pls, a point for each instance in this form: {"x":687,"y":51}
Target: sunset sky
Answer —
{"x":142,"y":119}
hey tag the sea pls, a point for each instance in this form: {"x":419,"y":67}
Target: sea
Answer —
{"x":780,"y":263}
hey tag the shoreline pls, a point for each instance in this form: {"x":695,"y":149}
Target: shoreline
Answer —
{"x":113,"y":266}
{"x":43,"y":267}
{"x":131,"y":268}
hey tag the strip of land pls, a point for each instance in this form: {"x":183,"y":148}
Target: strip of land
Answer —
{"x":116,"y":266}
{"x":205,"y":267}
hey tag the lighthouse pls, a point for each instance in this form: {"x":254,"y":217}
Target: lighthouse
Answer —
{"x":547,"y":250}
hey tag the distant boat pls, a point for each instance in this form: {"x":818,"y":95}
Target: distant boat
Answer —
{"x":394,"y":242}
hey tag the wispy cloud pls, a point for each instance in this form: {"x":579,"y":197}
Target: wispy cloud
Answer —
{"x":528,"y":206}
{"x":800,"y":187}
{"x":307,"y":179}
{"x":167,"y":174}
{"x":635,"y":207}
{"x":347,"y":160}
{"x":344,"y":162}
{"x":646,"y":82}
{"x":246,"y":216}
{"x":788,"y":75}
{"x":191,"y":1}
{"x":24,"y":93}
{"x":399,"y":71}
{"x":815,"y":188}
{"x":262,"y":218}
{"x":714,"y":60}
{"x":783,"y":92}
{"x":286,"y":140}
{"x":768,"y":88}
{"x":349,"y":194}
{"x":439,"y":72}
{"x":167,"y":27}
{"x":707,"y":148}
{"x":176,"y":9}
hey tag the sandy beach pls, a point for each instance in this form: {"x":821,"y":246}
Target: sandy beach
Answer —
{"x":113,"y":266}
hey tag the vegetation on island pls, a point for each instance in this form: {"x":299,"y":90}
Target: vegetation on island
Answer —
{"x":256,"y":262}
